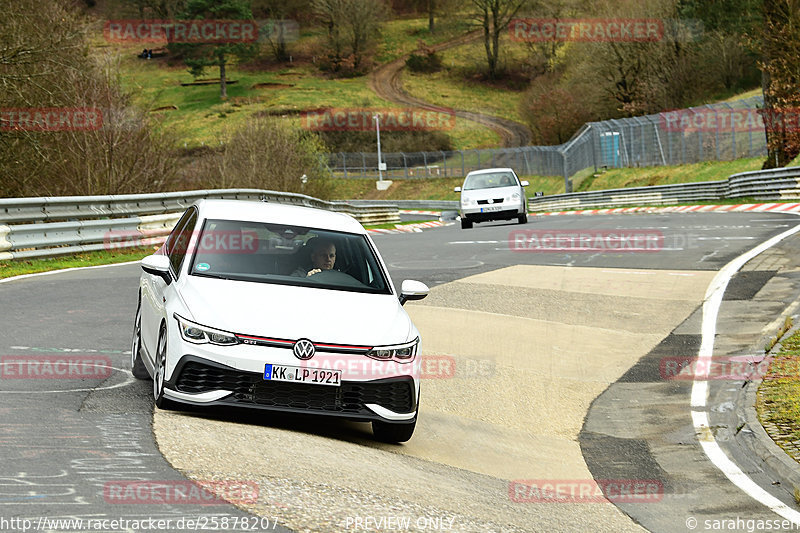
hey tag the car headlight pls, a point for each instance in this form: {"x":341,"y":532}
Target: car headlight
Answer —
{"x":401,"y":353}
{"x":465,"y":202}
{"x":197,"y":334}
{"x":515,"y":196}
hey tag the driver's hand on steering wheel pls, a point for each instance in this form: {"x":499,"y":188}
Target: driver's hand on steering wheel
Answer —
{"x":314,"y":271}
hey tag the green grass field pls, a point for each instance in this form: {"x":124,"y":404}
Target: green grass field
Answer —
{"x":449,"y":88}
{"x":201,"y":117}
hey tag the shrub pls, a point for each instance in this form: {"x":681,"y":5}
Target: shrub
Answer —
{"x":426,"y":63}
{"x":268,"y":153}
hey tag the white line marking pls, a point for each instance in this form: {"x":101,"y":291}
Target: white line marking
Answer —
{"x":711,"y":305}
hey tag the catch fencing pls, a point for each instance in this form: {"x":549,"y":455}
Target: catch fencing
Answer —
{"x":715,"y":132}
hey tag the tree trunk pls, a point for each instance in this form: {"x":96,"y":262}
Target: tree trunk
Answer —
{"x":487,"y":44}
{"x":431,"y":9}
{"x":223,"y":89}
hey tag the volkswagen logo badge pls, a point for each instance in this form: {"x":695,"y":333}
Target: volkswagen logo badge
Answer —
{"x":304,"y":349}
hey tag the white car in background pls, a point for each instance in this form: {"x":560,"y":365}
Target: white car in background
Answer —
{"x":230,"y":313}
{"x":492,"y":194}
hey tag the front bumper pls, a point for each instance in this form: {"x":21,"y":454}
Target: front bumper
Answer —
{"x":477,"y":216}
{"x":198,"y":381}
{"x":496,"y":211}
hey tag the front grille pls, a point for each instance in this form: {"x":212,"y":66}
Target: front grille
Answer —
{"x":493,"y":201}
{"x":395,"y":394}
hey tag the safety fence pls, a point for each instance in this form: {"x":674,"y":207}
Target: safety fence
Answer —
{"x":715,"y":132}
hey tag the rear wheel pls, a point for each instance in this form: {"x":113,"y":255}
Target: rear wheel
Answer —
{"x":466,"y":224}
{"x":393,"y":433}
{"x":138,"y":369}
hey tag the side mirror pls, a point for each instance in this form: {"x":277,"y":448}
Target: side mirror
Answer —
{"x":412,"y":290}
{"x":157,"y":265}
{"x":456,"y":189}
{"x":524,"y":183}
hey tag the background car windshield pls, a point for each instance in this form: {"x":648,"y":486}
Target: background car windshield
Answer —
{"x":489,"y":181}
{"x":275,"y":253}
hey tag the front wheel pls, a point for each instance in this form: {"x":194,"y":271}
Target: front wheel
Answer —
{"x":466,"y":224}
{"x":138,"y":369}
{"x":160,"y":371}
{"x":523,"y":218}
{"x":393,"y":433}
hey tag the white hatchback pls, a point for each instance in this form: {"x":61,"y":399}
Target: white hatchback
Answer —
{"x":281,"y":308}
{"x":492,"y":194}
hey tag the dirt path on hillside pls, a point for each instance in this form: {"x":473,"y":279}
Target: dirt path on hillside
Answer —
{"x":385,"y":82}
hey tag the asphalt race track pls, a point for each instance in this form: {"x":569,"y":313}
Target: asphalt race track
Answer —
{"x":547,"y":368}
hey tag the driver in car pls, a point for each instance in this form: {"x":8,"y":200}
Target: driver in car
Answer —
{"x":322,"y":255}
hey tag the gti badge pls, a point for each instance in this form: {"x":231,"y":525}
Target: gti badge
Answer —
{"x":303,"y":349}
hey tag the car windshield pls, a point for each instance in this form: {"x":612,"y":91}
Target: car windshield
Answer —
{"x":489,"y":181}
{"x":287,"y":255}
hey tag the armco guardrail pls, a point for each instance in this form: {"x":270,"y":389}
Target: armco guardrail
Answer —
{"x":47,"y":227}
{"x":765,"y":185}
{"x":433,"y":205}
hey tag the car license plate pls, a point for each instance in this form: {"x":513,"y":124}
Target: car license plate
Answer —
{"x":493,"y":208}
{"x":296,"y":374}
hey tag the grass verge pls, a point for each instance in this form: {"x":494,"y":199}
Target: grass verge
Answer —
{"x":19,"y":267}
{"x":778,"y":397}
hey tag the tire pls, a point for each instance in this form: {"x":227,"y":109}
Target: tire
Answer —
{"x":466,"y":224}
{"x":158,"y":374}
{"x":138,"y":370}
{"x":393,"y":433}
{"x":523,"y":218}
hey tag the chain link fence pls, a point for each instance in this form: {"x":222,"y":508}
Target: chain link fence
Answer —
{"x":714,"y":132}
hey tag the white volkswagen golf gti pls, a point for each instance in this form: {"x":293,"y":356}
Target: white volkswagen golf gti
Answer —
{"x":282,"y":308}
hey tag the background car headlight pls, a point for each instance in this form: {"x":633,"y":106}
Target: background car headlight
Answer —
{"x":402,"y":353}
{"x":197,"y":334}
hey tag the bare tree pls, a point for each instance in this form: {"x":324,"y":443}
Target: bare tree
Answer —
{"x":330,"y":13}
{"x":351,"y":26}
{"x":493,"y":16}
{"x":279,"y":13}
{"x":267,"y":153}
{"x":45,"y":62}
